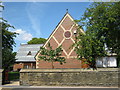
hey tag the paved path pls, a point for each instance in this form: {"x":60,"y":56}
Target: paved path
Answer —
{"x":14,"y":85}
{"x":55,"y":88}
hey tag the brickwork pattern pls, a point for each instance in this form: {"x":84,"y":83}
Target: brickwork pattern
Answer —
{"x":70,"y":63}
{"x":21,"y":65}
{"x":57,"y":38}
{"x":68,"y":77}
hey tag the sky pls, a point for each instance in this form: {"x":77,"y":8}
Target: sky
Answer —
{"x":38,"y":19}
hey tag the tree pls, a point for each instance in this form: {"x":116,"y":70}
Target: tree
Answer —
{"x":51,"y":55}
{"x":37,"y":41}
{"x":103,"y":20}
{"x":88,"y":48}
{"x":8,"y":57}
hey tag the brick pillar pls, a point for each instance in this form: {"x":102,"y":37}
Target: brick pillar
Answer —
{"x":31,"y":65}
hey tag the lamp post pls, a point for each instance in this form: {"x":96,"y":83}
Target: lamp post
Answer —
{"x":1,"y":71}
{"x":1,"y":9}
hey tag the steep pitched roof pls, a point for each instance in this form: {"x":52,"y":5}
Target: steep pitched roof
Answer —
{"x":67,"y":15}
{"x":27,"y":52}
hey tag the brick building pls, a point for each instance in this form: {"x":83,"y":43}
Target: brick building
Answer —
{"x":64,"y":34}
{"x":25,"y":56}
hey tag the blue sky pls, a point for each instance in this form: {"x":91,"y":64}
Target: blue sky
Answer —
{"x":38,"y":19}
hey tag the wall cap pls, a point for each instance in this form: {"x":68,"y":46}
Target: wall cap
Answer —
{"x":70,"y":70}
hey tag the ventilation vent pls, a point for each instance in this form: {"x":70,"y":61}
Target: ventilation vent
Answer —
{"x":29,"y":53}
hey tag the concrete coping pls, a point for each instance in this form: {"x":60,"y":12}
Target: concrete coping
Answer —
{"x":69,"y":70}
{"x":1,"y":70}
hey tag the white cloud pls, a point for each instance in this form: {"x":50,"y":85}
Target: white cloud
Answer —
{"x":35,"y":25}
{"x":23,"y":35}
{"x":32,"y":10}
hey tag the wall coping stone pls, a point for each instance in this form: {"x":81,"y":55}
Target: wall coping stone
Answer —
{"x":69,"y":70}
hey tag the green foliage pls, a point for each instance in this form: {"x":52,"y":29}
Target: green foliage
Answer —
{"x":89,"y":47}
{"x":8,"y":57}
{"x":37,"y":41}
{"x":7,"y":36}
{"x":103,"y":20}
{"x":51,"y":55}
{"x":13,"y":76}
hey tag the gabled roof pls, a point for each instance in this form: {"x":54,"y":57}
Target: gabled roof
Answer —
{"x":66,"y":15}
{"x":27,"y":52}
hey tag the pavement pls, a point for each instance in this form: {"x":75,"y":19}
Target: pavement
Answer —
{"x":55,"y":88}
{"x":14,"y":85}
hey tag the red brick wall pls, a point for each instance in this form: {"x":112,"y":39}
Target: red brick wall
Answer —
{"x":18,"y":66}
{"x":58,"y":38}
{"x":70,"y":63}
{"x":22,"y":65}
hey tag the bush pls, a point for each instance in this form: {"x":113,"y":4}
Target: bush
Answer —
{"x":13,"y":75}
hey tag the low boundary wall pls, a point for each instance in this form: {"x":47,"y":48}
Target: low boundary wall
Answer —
{"x":69,"y":77}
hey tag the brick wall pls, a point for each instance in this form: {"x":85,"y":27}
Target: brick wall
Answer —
{"x":69,"y":77}
{"x":1,"y":76}
{"x":70,"y":63}
{"x":63,"y":35}
{"x":17,"y":66}
{"x":22,"y":65}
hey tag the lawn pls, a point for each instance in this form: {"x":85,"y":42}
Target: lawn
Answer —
{"x":13,"y":76}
